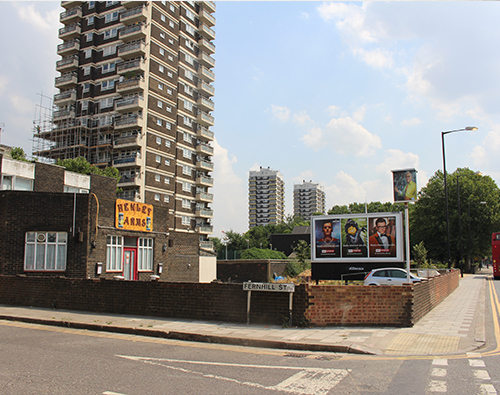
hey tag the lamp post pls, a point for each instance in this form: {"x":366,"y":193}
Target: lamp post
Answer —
{"x":467,"y":129}
{"x":459,"y":225}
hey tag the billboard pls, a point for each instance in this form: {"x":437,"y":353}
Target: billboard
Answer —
{"x":350,"y":238}
{"x":405,"y":185}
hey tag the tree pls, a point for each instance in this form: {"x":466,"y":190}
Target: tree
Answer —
{"x":420,"y":254}
{"x":428,"y":218}
{"x":265,"y":253}
{"x":372,"y":207}
{"x":18,"y":153}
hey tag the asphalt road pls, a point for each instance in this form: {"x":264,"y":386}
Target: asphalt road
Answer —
{"x":49,"y":360}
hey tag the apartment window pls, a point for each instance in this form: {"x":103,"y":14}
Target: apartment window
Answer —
{"x":189,"y":59}
{"x":187,"y":153}
{"x":110,"y":3}
{"x":190,"y":29}
{"x":166,"y":199}
{"x":172,"y":8}
{"x":91,"y":4}
{"x":186,"y":186}
{"x":188,"y":90}
{"x":161,"y":68}
{"x":167,"y":162}
{"x":90,"y":20}
{"x":169,"y":91}
{"x":160,"y":87}
{"x":187,"y":121}
{"x":114,"y":253}
{"x":171,"y":24}
{"x":105,"y":103}
{"x":168,"y":125}
{"x":186,"y":220}
{"x":161,"y":51}
{"x":87,"y":53}
{"x":167,"y":180}
{"x":186,"y":203}
{"x":106,"y":51}
{"x":189,"y":14}
{"x":145,"y":254}
{"x":171,"y":58}
{"x":111,"y":17}
{"x":158,"y":140}
{"x":158,"y":122}
{"x":188,"y":74}
{"x":86,"y":70}
{"x":168,"y":108}
{"x":157,"y":197}
{"x":186,"y":170}
{"x":188,"y":105}
{"x":105,"y":85}
{"x":162,"y":35}
{"x":45,"y":251}
{"x":190,"y":44}
{"x":163,"y":18}
{"x":157,"y":178}
{"x":89,"y":36}
{"x":170,"y":74}
{"x":110,"y":33}
{"x":167,"y":143}
{"x":159,"y":104}
{"x":86,"y":87}
{"x":171,"y":41}
{"x":109,"y":67}
{"x":187,"y":137}
{"x":158,"y":159}
{"x":85,"y":104}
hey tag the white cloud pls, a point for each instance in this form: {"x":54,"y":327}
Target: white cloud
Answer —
{"x":27,"y":13}
{"x":343,"y":136}
{"x":22,"y":105}
{"x":395,"y":159}
{"x":3,"y":83}
{"x":377,"y":58}
{"x":304,"y":176}
{"x":359,"y":114}
{"x":304,"y":15}
{"x":489,"y":148}
{"x":282,"y":113}
{"x":302,"y":119}
{"x":411,"y":122}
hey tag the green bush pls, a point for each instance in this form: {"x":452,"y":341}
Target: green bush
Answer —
{"x":258,"y":253}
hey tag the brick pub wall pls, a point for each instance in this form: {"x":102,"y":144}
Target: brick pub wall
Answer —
{"x":213,"y":301}
{"x":240,"y":270}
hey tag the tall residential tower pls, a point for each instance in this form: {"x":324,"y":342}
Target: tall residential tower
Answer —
{"x":266,"y":197}
{"x":308,"y":198}
{"x":135,"y":93}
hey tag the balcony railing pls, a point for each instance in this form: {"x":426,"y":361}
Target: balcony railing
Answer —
{"x":203,"y":132}
{"x":204,"y":165}
{"x":70,"y":14}
{"x":203,"y":180}
{"x":132,"y":49}
{"x":206,"y":59}
{"x":68,"y":46}
{"x":70,"y":61}
{"x":130,"y":85}
{"x":204,"y":228}
{"x":205,"y":118}
{"x":133,"y":31}
{"x":129,"y":103}
{"x":67,"y":79}
{"x":209,"y":89}
{"x":205,"y":149}
{"x":206,"y":32}
{"x":65,"y":96}
{"x":134,"y":14}
{"x":206,"y":45}
{"x":130,"y":120}
{"x":70,"y":30}
{"x":126,"y":141}
{"x":125,"y":159}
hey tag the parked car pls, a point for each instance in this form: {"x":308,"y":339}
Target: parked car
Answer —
{"x":389,"y":276}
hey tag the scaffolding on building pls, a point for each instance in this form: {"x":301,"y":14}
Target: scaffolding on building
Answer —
{"x":58,"y":133}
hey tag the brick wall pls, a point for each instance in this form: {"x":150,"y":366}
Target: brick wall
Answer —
{"x":258,"y":270}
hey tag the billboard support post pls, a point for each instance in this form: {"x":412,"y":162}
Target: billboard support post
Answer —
{"x":407,"y":224}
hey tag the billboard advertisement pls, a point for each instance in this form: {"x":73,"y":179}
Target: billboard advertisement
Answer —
{"x":405,"y":185}
{"x":350,"y":238}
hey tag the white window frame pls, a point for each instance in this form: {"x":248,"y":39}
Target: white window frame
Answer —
{"x":168,"y":125}
{"x":87,"y":52}
{"x":160,"y":86}
{"x":163,"y":18}
{"x":187,"y":170}
{"x":86,"y":70}
{"x":187,"y":186}
{"x":157,"y":197}
{"x":162,"y":35}
{"x":161,"y":51}
{"x":167,"y":143}
{"x":114,"y":254}
{"x":158,"y":159}
{"x":186,"y":153}
{"x":113,"y":16}
{"x":145,"y":254}
{"x":186,"y":203}
{"x":167,"y":162}
{"x":111,"y":33}
{"x":161,"y":69}
{"x":158,"y":122}
{"x":166,"y":199}
{"x":89,"y":36}
{"x":167,"y":180}
{"x":159,"y":103}
{"x":158,"y":140}
{"x":90,"y":19}
{"x":45,"y":251}
{"x":185,"y":220}
{"x":157,"y":178}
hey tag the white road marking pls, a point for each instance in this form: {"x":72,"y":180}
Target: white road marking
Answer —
{"x":111,"y":393}
{"x":481,"y":375}
{"x":476,"y":363}
{"x":307,"y":381}
{"x":437,"y":386}
{"x":487,"y":389}
{"x":440,"y":362}
{"x":438,"y":372}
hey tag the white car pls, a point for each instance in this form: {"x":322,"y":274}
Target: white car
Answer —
{"x":389,"y":276}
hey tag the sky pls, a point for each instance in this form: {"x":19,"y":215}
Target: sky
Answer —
{"x":338,"y":93}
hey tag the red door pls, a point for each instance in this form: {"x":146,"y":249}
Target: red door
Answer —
{"x":130,"y":264}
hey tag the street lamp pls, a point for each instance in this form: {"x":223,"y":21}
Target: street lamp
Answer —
{"x":467,"y":129}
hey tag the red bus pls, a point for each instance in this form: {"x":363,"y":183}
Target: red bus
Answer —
{"x":495,"y":250}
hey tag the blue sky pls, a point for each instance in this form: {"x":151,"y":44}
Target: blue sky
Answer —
{"x":339,"y":93}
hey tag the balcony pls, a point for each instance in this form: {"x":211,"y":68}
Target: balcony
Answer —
{"x":206,"y":74}
{"x":206,"y":46}
{"x":205,"y":104}
{"x":204,"y":165}
{"x":205,"y":181}
{"x":129,"y":104}
{"x":205,"y":213}
{"x":70,"y":16}
{"x":130,"y":86}
{"x":207,"y":245}
{"x":68,"y":48}
{"x":66,"y":81}
{"x":204,"y":149}
{"x":204,"y":133}
{"x":70,"y":31}
{"x":205,"y":17}
{"x":63,"y":114}
{"x":132,"y":66}
{"x":129,"y":121}
{"x":206,"y":31}
{"x":206,"y":60}
{"x":134,"y":15}
{"x":204,"y":229}
{"x":205,"y":197}
{"x":128,"y":141}
{"x":64,"y":98}
{"x":71,"y":4}
{"x":204,"y":119}
{"x":67,"y":64}
{"x":132,"y":4}
{"x":132,"y":50}
{"x":129,"y":181}
{"x":133,"y":32}
{"x":126,"y":160}
{"x":206,"y":89}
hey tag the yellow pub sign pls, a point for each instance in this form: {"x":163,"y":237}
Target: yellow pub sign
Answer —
{"x":133,"y":216}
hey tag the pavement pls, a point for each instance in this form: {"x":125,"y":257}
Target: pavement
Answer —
{"x":455,"y":326}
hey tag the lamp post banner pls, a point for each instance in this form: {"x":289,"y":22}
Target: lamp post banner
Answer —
{"x":405,"y":185}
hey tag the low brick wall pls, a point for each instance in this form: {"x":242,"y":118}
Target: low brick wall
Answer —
{"x":318,"y":305}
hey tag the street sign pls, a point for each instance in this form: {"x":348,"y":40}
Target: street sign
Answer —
{"x":273,"y":287}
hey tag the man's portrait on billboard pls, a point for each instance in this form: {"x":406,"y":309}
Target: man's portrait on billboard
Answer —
{"x":382,"y":240}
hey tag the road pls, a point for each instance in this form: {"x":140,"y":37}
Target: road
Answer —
{"x":46,"y":360}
